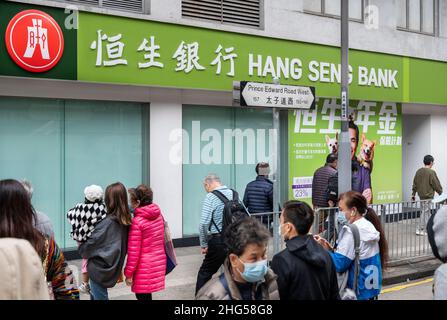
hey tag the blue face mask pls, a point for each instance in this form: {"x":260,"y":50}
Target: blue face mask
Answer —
{"x":131,"y":209}
{"x":254,"y":272}
{"x":341,"y":218}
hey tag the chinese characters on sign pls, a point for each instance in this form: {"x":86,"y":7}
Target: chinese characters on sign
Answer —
{"x":110,"y":52}
{"x":255,"y":94}
{"x":187,"y":56}
{"x":151,"y":55}
{"x":375,"y":139}
{"x":230,"y":55}
{"x":114,"y":49}
{"x":366,"y":112}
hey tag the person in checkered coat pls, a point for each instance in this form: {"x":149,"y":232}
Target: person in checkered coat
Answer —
{"x":83,"y":218}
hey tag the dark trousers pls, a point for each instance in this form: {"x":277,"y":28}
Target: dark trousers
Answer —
{"x":144,"y":296}
{"x":215,"y":257}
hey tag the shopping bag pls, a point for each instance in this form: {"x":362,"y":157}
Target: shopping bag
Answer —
{"x":171,"y":259}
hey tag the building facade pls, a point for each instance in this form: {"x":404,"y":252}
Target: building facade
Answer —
{"x":142,"y":92}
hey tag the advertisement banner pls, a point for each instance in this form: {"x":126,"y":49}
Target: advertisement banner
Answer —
{"x":377,"y":154}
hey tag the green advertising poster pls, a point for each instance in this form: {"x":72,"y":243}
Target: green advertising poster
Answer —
{"x":313,"y":133}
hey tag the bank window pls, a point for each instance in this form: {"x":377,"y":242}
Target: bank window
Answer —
{"x":61,"y":146}
{"x":419,"y":16}
{"x":236,"y":12}
{"x":331,"y":8}
{"x":226,"y":141}
{"x":139,"y":6}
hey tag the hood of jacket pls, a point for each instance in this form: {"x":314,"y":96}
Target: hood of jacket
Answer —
{"x":307,"y":249}
{"x":149,"y":212}
{"x":437,"y":233}
{"x":368,"y":232}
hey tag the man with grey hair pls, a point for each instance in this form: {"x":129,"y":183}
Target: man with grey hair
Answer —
{"x":42,"y":222}
{"x":210,"y":229}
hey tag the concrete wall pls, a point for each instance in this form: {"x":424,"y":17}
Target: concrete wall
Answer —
{"x":424,"y":132}
{"x":439,"y":148}
{"x":285,"y":19}
{"x":166,"y":176}
{"x":416,"y":133}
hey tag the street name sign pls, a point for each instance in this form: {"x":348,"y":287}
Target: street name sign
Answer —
{"x":255,"y":94}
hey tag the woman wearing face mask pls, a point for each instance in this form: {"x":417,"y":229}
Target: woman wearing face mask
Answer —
{"x":373,"y":246}
{"x":246,"y":275}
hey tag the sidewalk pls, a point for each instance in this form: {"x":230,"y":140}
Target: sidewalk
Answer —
{"x":410,"y":270}
{"x":180,"y":283}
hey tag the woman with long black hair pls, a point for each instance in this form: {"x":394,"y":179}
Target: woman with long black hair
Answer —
{"x":17,"y":217}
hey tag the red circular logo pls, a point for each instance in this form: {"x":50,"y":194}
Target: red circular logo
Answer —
{"x":34,"y":41}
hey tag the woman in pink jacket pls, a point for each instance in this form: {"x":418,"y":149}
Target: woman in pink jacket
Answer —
{"x":146,"y":258}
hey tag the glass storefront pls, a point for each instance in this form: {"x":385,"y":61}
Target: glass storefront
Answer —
{"x":226,"y":141}
{"x":61,"y":146}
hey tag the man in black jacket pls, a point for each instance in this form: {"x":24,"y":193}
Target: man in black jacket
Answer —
{"x":305,"y":270}
{"x":258,"y":197}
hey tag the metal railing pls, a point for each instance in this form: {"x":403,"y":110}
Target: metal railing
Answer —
{"x":403,"y":224}
{"x":271,"y":221}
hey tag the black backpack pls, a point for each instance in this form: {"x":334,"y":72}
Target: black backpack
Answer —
{"x":233,"y":210}
{"x":332,"y":189}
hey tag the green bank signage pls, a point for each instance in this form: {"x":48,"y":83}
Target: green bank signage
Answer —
{"x":113,"y":49}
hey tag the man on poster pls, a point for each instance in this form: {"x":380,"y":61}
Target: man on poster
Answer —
{"x":360,"y":174}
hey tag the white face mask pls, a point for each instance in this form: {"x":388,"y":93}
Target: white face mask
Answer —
{"x":279,"y":230}
{"x":342,"y":218}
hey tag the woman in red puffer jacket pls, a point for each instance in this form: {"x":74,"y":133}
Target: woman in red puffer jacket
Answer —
{"x":146,"y":258}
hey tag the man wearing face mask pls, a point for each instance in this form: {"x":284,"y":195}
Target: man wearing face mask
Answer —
{"x":305,"y":270}
{"x":246,"y":275}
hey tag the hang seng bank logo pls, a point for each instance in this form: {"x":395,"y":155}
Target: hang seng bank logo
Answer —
{"x":34,"y":41}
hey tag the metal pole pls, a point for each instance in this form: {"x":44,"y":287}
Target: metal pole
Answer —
{"x":344,"y":151}
{"x":276,"y":180}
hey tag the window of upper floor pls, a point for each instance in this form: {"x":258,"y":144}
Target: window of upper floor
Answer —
{"x":331,"y":8}
{"x":137,"y":6}
{"x":235,"y":12}
{"x":420,"y":16}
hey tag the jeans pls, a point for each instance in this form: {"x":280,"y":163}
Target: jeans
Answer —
{"x":97,"y":292}
{"x":215,"y":257}
{"x":425,"y":214}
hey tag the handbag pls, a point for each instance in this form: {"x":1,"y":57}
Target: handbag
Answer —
{"x":342,"y":278}
{"x":171,"y":259}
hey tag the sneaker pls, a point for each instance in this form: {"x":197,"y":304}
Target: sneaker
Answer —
{"x":421,"y":232}
{"x":84,"y":288}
